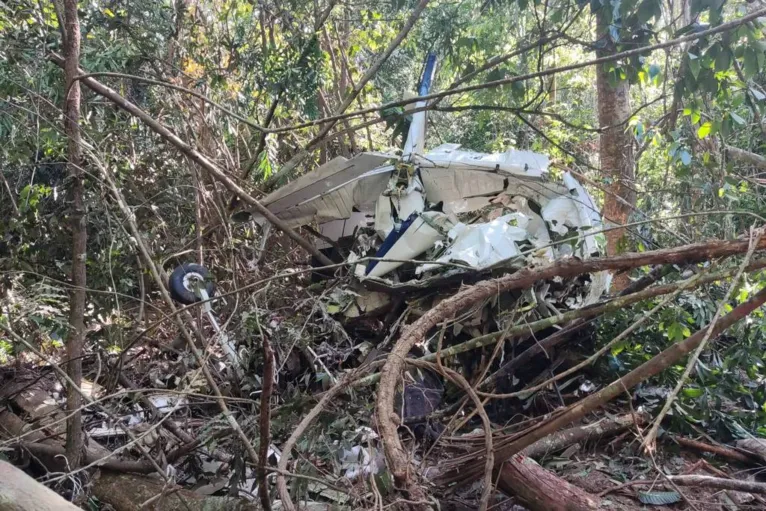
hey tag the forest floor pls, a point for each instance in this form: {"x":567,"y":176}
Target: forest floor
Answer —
{"x":156,"y":407}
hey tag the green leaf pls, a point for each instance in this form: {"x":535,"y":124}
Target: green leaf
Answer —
{"x":737,"y":118}
{"x":694,"y":65}
{"x":723,"y":60}
{"x":751,"y":62}
{"x":704,"y":130}
{"x":678,"y":332}
{"x":686,"y":158}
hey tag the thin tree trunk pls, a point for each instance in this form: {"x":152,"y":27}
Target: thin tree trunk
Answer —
{"x":615,"y":149}
{"x":74,"y":442}
{"x":265,"y":423}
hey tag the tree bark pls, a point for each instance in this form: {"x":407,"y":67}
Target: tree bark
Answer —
{"x":579,"y":434}
{"x":76,"y":338}
{"x":726,"y":452}
{"x":265,"y":422}
{"x":125,"y":492}
{"x":541,"y":490}
{"x":615,"y":148}
{"x":756,"y":160}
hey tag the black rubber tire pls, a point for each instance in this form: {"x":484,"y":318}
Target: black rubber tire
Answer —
{"x":178,"y":290}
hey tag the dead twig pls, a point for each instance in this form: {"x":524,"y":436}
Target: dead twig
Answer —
{"x":720,"y":450}
{"x":284,"y":494}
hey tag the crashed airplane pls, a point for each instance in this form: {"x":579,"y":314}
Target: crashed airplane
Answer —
{"x":464,"y":210}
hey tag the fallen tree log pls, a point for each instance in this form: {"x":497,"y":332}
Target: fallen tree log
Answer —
{"x":50,"y":451}
{"x":580,"y":434}
{"x":19,"y":492}
{"x":126,"y":492}
{"x":542,"y":490}
{"x":397,"y":456}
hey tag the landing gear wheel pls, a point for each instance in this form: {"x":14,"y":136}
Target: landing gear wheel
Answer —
{"x":184,"y":280}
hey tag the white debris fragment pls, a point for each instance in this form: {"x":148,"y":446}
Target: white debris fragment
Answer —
{"x":360,"y":461}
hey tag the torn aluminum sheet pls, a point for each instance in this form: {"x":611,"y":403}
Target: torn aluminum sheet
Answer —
{"x":416,"y":235}
{"x":344,"y":227}
{"x":574,"y":210}
{"x":483,"y":245}
{"x":520,"y":163}
{"x":334,"y":191}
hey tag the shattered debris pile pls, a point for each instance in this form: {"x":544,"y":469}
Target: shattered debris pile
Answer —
{"x":424,"y":219}
{"x":443,"y":217}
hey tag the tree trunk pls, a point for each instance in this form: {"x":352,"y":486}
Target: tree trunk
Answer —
{"x":615,"y":149}
{"x":76,"y":338}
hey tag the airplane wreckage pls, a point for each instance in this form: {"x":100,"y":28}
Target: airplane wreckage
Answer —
{"x":426,"y":218}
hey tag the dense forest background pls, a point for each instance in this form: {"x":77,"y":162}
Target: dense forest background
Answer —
{"x":139,"y":135}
